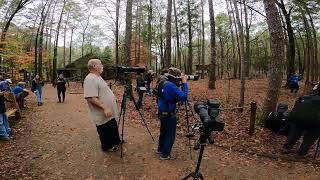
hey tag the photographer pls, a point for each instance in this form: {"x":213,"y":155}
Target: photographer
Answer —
{"x":149,"y":78}
{"x":168,"y":95}
{"x":304,"y":120}
{"x":140,"y":85}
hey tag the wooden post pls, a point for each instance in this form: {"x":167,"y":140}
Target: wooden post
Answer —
{"x":253,"y":110}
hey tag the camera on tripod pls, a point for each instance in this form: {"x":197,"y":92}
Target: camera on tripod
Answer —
{"x":127,"y":69}
{"x":209,"y":113}
{"x":191,"y":77}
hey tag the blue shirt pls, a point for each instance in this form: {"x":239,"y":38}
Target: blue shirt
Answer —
{"x":171,"y":95}
{"x":294,"y":79}
{"x":17,"y":90}
{"x":4,"y":86}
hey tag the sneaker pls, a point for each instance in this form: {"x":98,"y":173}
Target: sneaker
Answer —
{"x":157,"y":152}
{"x":166,"y":157}
{"x":113,"y":149}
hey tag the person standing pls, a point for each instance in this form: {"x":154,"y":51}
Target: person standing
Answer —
{"x":61,"y":87}
{"x":102,"y":105}
{"x":5,"y":130}
{"x":168,"y":95}
{"x":140,"y":87}
{"x":294,"y":82}
{"x":36,"y":87}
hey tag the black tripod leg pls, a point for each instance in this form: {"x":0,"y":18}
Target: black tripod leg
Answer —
{"x":142,"y":119}
{"x":188,"y":127}
{"x":187,"y":177}
{"x":122,"y":130}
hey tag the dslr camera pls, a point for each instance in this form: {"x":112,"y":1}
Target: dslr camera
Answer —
{"x":209,"y":113}
{"x":127,"y":69}
{"x":191,"y":77}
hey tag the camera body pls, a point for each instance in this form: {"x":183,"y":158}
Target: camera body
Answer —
{"x":209,"y":113}
{"x":127,"y":69}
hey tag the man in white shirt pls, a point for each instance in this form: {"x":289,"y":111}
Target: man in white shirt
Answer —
{"x":102,"y":106}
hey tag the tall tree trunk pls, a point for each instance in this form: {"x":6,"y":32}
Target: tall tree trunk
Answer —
{"x":291,"y":44}
{"x":64,"y":40}
{"x":315,"y":65}
{"x":44,"y":17}
{"x":128,"y":35}
{"x":308,"y":51}
{"x":150,"y":34}
{"x":233,"y":42}
{"x":177,"y":34}
{"x":241,"y":58}
{"x":203,"y":39}
{"x":36,"y":50}
{"x":276,"y":60}
{"x":55,"y":51}
{"x":190,"y":51}
{"x":161,"y":45}
{"x":212,"y":69}
{"x":247,"y":54}
{"x":70,"y":47}
{"x":167,"y":51}
{"x":117,"y":31}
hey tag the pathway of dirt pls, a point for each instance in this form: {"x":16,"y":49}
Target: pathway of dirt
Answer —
{"x":58,"y":141}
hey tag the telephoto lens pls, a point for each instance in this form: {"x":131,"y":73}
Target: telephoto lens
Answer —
{"x":193,"y":77}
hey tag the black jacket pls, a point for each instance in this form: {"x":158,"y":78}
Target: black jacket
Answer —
{"x":61,"y":84}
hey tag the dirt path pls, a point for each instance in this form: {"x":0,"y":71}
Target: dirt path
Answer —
{"x":58,"y":141}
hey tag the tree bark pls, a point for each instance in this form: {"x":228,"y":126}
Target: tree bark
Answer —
{"x":128,"y":35}
{"x":177,"y":34}
{"x":167,"y":51}
{"x":117,"y":31}
{"x":203,"y":39}
{"x":291,"y":44}
{"x":64,"y":40}
{"x":276,"y":60}
{"x":212,"y":69}
{"x":190,"y":51}
{"x":150,"y":34}
{"x":232,"y":42}
{"x":55,"y":51}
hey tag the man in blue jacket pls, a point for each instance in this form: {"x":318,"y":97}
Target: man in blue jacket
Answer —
{"x":294,"y":82}
{"x":168,"y":95}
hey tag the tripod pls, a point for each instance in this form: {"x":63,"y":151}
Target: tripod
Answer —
{"x":128,"y":93}
{"x":196,"y":174}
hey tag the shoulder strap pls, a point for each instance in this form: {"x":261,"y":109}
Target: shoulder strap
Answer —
{"x":160,"y":88}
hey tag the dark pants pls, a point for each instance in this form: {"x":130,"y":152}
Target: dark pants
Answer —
{"x":167,"y":133}
{"x":293,"y":87}
{"x":20,"y":98}
{"x":311,"y":134}
{"x":108,"y":134}
{"x":63,"y":92}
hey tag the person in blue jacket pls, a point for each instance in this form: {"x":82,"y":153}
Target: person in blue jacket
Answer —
{"x":169,"y":94}
{"x":294,"y":82}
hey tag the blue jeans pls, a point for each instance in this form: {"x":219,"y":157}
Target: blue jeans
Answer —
{"x":4,"y":125}
{"x":38,"y":93}
{"x":167,"y":137}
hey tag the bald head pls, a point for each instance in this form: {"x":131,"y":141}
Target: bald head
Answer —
{"x":92,"y":63}
{"x":95,"y":66}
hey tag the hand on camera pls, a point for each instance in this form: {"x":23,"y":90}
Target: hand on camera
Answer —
{"x":184,"y":78}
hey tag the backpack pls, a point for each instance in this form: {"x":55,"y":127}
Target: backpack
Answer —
{"x":159,"y":89}
{"x":306,"y":111}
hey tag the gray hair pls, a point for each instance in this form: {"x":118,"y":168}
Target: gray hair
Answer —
{"x":92,"y":62}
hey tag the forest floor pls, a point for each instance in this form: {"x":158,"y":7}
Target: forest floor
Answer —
{"x":58,"y":141}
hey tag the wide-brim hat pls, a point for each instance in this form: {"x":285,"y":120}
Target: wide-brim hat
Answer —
{"x":174,"y":72}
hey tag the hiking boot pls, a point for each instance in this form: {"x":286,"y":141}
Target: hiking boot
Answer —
{"x":286,"y":151}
